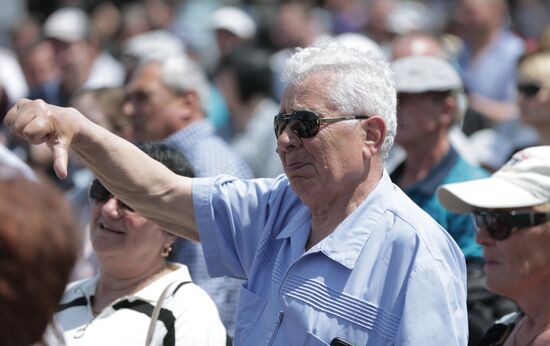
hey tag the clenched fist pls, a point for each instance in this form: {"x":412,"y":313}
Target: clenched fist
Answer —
{"x":39,"y":122}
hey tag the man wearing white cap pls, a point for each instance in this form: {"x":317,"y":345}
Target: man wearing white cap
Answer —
{"x":233,"y":27}
{"x":511,"y":210}
{"x":82,"y":63}
{"x":430,"y":93}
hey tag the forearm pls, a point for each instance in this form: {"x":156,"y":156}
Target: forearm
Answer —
{"x":139,"y":181}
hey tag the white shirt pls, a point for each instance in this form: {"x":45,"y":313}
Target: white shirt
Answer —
{"x":188,"y":314}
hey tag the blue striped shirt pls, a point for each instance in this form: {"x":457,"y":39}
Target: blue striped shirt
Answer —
{"x":388,"y":274}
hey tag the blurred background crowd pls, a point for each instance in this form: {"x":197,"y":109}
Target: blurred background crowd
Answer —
{"x":154,"y":70}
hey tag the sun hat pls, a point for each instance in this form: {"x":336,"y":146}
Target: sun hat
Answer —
{"x":422,"y":73}
{"x":68,"y":24}
{"x":233,"y":20}
{"x":524,"y":181}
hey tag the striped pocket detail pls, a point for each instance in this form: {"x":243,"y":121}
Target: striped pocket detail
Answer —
{"x":344,"y":306}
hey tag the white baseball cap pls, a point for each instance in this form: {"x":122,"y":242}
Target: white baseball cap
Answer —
{"x":524,"y":181}
{"x":68,"y":24}
{"x":422,"y":73}
{"x":153,"y":45}
{"x":233,"y":20}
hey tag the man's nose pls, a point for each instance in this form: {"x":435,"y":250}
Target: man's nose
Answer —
{"x":288,"y":140}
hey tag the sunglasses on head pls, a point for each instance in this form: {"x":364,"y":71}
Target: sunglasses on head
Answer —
{"x":529,"y":89}
{"x":99,"y":194}
{"x":499,"y":224}
{"x":305,"y":124}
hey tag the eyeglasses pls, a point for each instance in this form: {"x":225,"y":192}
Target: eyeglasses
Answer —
{"x":99,"y":194}
{"x":306,"y":124}
{"x":529,"y":89}
{"x":500,"y":224}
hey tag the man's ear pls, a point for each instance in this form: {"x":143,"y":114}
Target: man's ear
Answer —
{"x":448,"y":111}
{"x":375,"y":133}
{"x":188,"y":104}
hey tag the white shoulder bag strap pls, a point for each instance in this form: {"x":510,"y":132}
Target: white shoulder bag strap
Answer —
{"x":156,"y":311}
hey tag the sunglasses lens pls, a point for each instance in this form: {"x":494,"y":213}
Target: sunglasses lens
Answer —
{"x":498,"y":226}
{"x":304,"y":124}
{"x":279,"y":123}
{"x":529,"y":90}
{"x":98,"y":193}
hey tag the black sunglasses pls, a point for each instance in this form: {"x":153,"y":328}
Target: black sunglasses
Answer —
{"x":305,"y":124}
{"x":529,"y":89}
{"x":499,"y":224}
{"x":99,"y":194}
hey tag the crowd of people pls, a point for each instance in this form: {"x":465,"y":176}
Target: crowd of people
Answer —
{"x":297,"y":173}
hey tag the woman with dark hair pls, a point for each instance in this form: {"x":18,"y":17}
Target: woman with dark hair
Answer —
{"x":137,"y":297}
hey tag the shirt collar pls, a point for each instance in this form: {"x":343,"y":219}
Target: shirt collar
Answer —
{"x":435,"y":177}
{"x":438,"y":173}
{"x":347,"y":241}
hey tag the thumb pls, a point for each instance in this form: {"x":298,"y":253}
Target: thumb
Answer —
{"x":60,"y":157}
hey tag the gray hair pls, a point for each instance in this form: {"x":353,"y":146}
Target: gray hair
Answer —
{"x":181,"y":74}
{"x":361,"y":82}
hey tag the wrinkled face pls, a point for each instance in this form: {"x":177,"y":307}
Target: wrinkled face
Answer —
{"x":119,"y":233}
{"x":151,"y":106}
{"x":418,"y":117}
{"x":330,"y":162}
{"x":519,"y":264}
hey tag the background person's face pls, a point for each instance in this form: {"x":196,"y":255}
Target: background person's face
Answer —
{"x":418,"y":117}
{"x":328,"y":163}
{"x":519,"y":264}
{"x":150,"y":105}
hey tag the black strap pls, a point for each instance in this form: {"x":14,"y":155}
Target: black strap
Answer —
{"x":165,"y":316}
{"x":81,"y":301}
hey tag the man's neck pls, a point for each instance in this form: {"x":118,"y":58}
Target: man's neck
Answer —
{"x":421,"y":159}
{"x":481,"y":40}
{"x":330,"y":210}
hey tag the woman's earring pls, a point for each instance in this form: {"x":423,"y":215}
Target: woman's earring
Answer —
{"x":166,"y":251}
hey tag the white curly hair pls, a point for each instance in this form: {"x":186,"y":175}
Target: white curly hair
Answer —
{"x":360,"y":81}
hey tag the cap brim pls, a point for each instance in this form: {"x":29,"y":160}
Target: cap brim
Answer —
{"x":489,"y":193}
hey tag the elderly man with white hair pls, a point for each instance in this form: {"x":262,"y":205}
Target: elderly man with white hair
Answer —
{"x":332,"y":251}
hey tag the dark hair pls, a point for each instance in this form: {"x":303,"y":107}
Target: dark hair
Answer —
{"x":39,"y":243}
{"x":169,"y":157}
{"x":251,"y":69}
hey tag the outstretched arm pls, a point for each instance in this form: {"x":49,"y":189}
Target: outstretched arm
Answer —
{"x":131,"y":175}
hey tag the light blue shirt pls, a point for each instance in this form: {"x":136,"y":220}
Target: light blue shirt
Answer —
{"x":388,"y":274}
